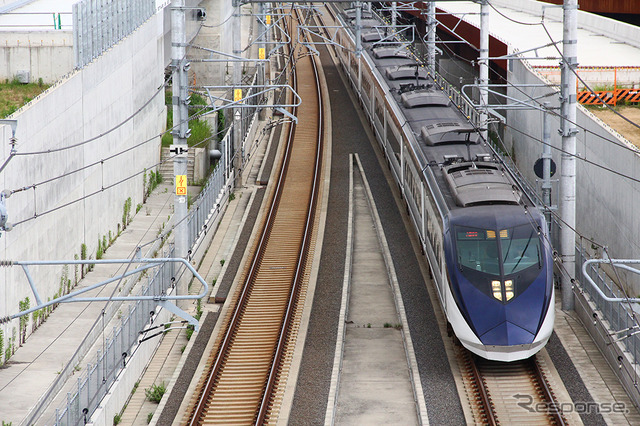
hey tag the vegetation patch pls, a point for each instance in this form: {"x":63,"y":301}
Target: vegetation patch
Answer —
{"x":14,"y":95}
{"x":200,"y":129}
{"x":156,"y":392}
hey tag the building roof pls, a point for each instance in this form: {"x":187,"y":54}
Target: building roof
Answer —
{"x":518,"y":23}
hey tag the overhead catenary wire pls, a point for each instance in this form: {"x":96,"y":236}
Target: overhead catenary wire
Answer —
{"x":561,"y":266}
{"x":102,"y":160}
{"x":617,"y":143}
{"x":103,"y":134}
{"x":117,"y":126}
{"x":204,"y":110}
{"x":96,"y":192}
{"x":633,"y":123}
{"x":551,"y":111}
{"x":558,"y":149}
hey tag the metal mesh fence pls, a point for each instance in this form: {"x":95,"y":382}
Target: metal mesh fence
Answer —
{"x":99,"y":24}
{"x":109,"y":361}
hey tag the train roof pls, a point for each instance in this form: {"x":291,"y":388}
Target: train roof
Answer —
{"x":473,"y":183}
{"x":466,"y":172}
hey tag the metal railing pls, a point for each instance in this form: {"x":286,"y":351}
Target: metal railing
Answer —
{"x":110,"y":360}
{"x":209,"y":200}
{"x":95,"y":383}
{"x":618,"y":331}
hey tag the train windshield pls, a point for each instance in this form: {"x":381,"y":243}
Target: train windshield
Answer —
{"x":486,"y":250}
{"x":520,"y":248}
{"x":478,"y":249}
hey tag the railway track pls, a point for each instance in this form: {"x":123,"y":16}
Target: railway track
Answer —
{"x":246,"y":372}
{"x":509,"y":393}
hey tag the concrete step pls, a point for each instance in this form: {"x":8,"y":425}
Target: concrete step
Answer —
{"x":166,"y":168}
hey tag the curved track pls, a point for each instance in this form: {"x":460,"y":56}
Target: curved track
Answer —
{"x":244,"y":373}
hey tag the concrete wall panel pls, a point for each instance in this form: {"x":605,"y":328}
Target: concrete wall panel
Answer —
{"x":47,"y":54}
{"x":85,"y":104}
{"x":606,"y":197}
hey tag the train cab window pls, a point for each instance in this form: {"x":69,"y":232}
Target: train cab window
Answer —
{"x":487,"y":250}
{"x":478,"y":250}
{"x":520,"y":248}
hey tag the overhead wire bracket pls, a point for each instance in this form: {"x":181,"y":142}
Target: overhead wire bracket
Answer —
{"x":260,"y":90}
{"x":148,"y":263}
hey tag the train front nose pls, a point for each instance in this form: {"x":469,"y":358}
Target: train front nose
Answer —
{"x":507,"y":334}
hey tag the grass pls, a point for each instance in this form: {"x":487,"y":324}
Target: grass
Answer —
{"x":14,"y":94}
{"x":155,"y":392}
{"x":200,"y":129}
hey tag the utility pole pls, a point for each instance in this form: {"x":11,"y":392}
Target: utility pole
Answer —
{"x":262,"y":51}
{"x":546,"y":163}
{"x":358,"y":29}
{"x":431,"y":37}
{"x":394,"y":15}
{"x":568,"y":164}
{"x":181,"y":130}
{"x":483,"y":64}
{"x":237,"y":93}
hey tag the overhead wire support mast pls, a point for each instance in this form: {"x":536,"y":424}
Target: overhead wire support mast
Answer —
{"x":568,"y":100}
{"x":181,"y":132}
{"x":484,"y":67}
{"x":237,"y":93}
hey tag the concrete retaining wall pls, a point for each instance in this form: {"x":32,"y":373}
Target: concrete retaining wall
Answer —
{"x":84,"y":105}
{"x":47,"y":54}
{"x":606,"y":201}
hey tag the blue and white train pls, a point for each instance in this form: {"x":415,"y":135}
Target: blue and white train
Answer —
{"x":483,"y":237}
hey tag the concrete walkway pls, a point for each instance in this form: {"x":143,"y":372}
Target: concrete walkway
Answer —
{"x":601,"y":381}
{"x":37,"y":365}
{"x":174,"y":347}
{"x":373,"y":374}
{"x":163,"y":366}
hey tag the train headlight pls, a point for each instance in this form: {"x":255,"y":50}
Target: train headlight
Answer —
{"x":496,"y":287}
{"x":508,"y":289}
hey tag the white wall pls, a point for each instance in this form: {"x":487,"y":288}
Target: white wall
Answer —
{"x":45,"y":54}
{"x":606,"y":203}
{"x":83,"y":105}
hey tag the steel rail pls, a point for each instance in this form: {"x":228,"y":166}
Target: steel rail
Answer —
{"x":229,"y":335}
{"x":554,"y":411}
{"x":302,"y":257}
{"x":531,"y":368}
{"x":482,"y":391}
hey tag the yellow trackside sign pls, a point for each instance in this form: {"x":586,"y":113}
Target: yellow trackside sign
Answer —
{"x":181,"y":184}
{"x":237,"y":95}
{"x":261,"y":54}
